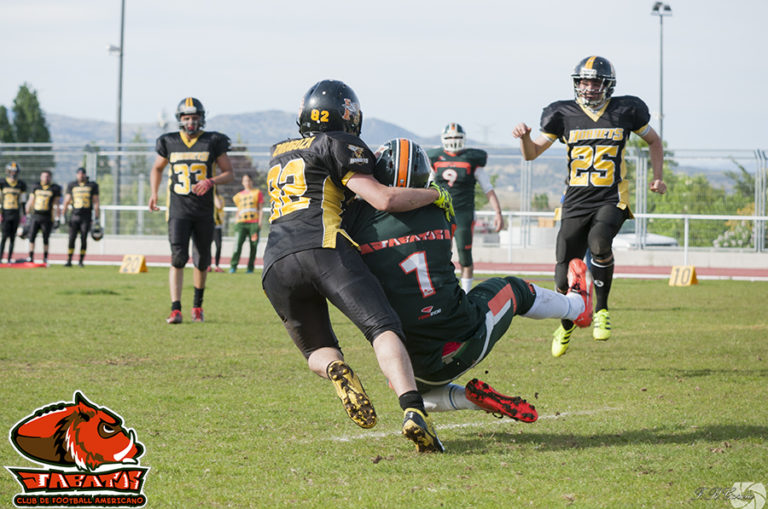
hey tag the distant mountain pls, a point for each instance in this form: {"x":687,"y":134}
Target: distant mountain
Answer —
{"x":253,"y":129}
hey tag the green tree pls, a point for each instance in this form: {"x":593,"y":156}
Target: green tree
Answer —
{"x":29,"y":126}
{"x":6,"y":129}
{"x":540,"y":202}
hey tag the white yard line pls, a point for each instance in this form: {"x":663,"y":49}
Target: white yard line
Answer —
{"x":485,"y":423}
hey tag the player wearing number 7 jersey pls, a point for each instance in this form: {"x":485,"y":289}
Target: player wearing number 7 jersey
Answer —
{"x":447,"y":331}
{"x":595,"y":127}
{"x":198,"y":161}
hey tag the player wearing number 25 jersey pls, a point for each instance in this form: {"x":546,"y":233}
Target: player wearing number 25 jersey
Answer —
{"x":595,"y":127}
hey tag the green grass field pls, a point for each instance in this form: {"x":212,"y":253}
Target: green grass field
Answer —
{"x":231,"y":417}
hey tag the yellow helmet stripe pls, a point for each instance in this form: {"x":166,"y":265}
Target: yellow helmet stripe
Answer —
{"x":590,"y":63}
{"x":189,"y":103}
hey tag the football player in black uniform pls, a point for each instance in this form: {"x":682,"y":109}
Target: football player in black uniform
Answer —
{"x":198,"y":161}
{"x":12,"y":191}
{"x":595,"y":127}
{"x":84,"y":197}
{"x":43,"y":205}
{"x":448,"y":331}
{"x":309,"y":259}
{"x":459,"y":169}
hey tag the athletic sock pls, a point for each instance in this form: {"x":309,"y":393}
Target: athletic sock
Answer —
{"x":603,"y":276}
{"x":197,"y":302}
{"x":412,"y":399}
{"x":466,"y":284}
{"x":446,"y":398}
{"x":176,"y":305}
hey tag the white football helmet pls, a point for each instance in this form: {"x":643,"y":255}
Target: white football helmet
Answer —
{"x":452,"y":137}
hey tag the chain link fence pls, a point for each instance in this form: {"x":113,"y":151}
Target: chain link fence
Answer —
{"x":716,"y":199}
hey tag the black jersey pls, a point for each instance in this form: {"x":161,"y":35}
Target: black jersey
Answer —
{"x":410,"y":254}
{"x":191,"y":160}
{"x":82,"y":196}
{"x":596,"y":143}
{"x":307,"y":189}
{"x":11,"y":191}
{"x":44,"y":199}
{"x":457,"y":173}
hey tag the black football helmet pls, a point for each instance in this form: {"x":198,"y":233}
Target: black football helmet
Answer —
{"x":402,"y":163}
{"x":330,"y":105}
{"x":452,"y":137}
{"x":594,"y":68}
{"x":190,"y":106}
{"x":97,"y":232}
{"x":12,"y":170}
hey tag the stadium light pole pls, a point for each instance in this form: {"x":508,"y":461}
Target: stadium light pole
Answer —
{"x":661,"y":9}
{"x":118,"y":50}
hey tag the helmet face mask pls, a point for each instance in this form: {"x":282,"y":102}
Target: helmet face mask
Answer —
{"x":190,"y":114}
{"x":330,"y":105}
{"x":402,"y":163}
{"x":589,"y":72}
{"x":452,"y":138}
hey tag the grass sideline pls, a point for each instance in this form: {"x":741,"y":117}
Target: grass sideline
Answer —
{"x":231,"y":417}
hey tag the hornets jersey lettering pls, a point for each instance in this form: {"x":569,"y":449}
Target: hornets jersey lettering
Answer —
{"x":191,"y":160}
{"x":410,"y":254}
{"x":596,"y":143}
{"x":11,"y":196}
{"x":44,"y":199}
{"x":306,"y":184}
{"x":82,"y":197}
{"x":457,"y":173}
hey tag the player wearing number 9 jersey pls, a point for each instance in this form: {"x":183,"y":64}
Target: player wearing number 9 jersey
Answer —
{"x":310,"y":260}
{"x":198,"y":161}
{"x":595,"y":127}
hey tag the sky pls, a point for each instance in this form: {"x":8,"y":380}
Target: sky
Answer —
{"x":420,"y":64}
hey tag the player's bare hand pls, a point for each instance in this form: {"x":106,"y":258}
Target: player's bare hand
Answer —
{"x":202,"y":187}
{"x":521,"y":130}
{"x":498,"y":223}
{"x":658,"y":186}
{"x":153,"y":204}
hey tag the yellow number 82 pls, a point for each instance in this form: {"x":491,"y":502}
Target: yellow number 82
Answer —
{"x":319,"y":115}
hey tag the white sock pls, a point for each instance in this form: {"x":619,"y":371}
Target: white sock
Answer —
{"x":447,"y":398}
{"x":551,"y":304}
{"x":466,"y":284}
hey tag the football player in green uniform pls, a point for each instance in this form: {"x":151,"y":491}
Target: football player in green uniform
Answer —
{"x":199,"y":161}
{"x":84,"y":197}
{"x":310,"y":260}
{"x":595,"y":127}
{"x":43,"y":205}
{"x":12,"y":191}
{"x":459,"y":169}
{"x":448,"y":331}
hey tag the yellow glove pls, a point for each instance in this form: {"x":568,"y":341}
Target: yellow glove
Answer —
{"x":444,"y":201}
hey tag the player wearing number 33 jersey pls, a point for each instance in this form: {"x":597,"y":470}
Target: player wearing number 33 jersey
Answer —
{"x":191,"y":160}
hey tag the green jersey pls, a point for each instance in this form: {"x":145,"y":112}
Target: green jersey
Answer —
{"x":410,"y":254}
{"x":457,"y":173}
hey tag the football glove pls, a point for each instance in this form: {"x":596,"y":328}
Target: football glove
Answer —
{"x":444,"y":200}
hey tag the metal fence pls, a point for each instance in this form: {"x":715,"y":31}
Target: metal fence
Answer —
{"x":708,"y":209}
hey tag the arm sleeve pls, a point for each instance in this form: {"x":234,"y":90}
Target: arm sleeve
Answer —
{"x":552,"y":122}
{"x":484,"y":180}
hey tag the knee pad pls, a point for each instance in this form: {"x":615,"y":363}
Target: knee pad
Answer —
{"x":179,"y":260}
